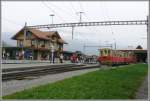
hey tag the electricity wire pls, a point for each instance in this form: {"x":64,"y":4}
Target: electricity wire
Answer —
{"x":52,"y":11}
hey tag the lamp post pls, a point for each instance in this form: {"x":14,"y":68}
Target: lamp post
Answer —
{"x":52,"y":53}
{"x":52,"y":15}
{"x":24,"y":40}
{"x":80,"y":14}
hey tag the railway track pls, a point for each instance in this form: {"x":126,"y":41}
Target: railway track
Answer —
{"x":24,"y":72}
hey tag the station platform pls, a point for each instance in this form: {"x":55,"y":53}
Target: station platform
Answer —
{"x":5,"y":66}
{"x":28,"y":61}
{"x":20,"y":64}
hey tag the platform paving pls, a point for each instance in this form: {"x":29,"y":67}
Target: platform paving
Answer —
{"x":5,"y":66}
{"x":29,"y":61}
{"x":9,"y":87}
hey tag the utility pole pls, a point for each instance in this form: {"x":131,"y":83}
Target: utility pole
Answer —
{"x":148,"y":41}
{"x":72,"y":31}
{"x":52,"y":15}
{"x":115,"y":46}
{"x":80,"y":14}
{"x":52,"y":47}
{"x":24,"y":39}
{"x":24,"y":33}
{"x":84,"y":48}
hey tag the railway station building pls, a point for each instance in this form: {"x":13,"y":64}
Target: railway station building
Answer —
{"x":36,"y":44}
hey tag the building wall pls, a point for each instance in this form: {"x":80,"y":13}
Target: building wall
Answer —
{"x":27,"y":42}
{"x":39,"y":44}
{"x":46,"y":44}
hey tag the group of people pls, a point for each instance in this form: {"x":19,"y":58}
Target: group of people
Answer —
{"x":82,"y":59}
{"x":52,"y":57}
{"x":5,"y":56}
{"x":74,"y":58}
{"x":24,"y":55}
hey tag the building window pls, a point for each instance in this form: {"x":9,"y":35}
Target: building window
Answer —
{"x":56,"y":46}
{"x":108,"y":52}
{"x":41,"y":42}
{"x":20,"y":43}
{"x":33,"y":42}
{"x":28,"y":35}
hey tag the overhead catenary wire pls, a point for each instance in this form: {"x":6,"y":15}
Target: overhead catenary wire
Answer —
{"x":10,"y":21}
{"x":63,"y":10}
{"x":53,"y":11}
{"x":11,"y":29}
{"x":82,"y":9}
{"x":73,"y":9}
{"x":81,"y":12}
{"x":111,"y":29}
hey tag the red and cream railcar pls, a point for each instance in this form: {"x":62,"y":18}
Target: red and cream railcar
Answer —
{"x":115,"y":57}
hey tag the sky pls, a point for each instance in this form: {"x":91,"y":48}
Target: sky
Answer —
{"x":15,"y":14}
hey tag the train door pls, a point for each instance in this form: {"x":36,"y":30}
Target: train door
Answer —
{"x":105,"y":52}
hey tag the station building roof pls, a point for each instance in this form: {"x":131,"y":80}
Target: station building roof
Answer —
{"x":44,"y":35}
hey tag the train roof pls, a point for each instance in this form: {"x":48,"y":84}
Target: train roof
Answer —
{"x":136,"y":50}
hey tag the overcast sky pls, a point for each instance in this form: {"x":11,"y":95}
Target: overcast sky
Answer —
{"x":15,"y":14}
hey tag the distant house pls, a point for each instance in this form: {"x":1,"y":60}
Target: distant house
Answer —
{"x":39,"y":43}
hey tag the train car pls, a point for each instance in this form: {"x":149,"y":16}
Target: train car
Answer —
{"x":105,"y":57}
{"x":115,"y":57}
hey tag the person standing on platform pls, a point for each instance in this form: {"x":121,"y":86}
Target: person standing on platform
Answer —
{"x":61,"y":58}
{"x":52,"y":54}
{"x":50,"y":57}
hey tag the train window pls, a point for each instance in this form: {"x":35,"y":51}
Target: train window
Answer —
{"x":119,"y":54}
{"x":101,"y":52}
{"x":105,"y":52}
{"x":108,"y":51}
{"x":114,"y":53}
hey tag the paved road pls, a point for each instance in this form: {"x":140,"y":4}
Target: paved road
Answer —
{"x":142,"y":92}
{"x":10,"y":87}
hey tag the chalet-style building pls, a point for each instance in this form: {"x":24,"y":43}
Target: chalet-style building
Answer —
{"x":39,"y":44}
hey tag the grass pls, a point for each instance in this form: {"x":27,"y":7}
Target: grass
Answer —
{"x":120,"y":83}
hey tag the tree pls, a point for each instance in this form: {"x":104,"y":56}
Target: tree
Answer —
{"x":139,"y":47}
